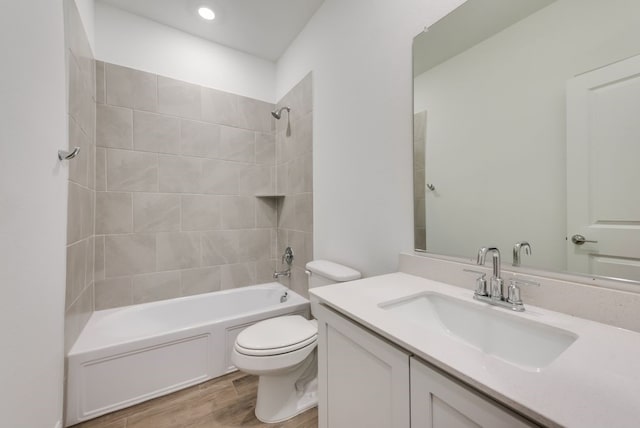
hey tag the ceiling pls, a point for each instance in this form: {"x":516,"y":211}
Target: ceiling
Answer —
{"x":263,"y":28}
{"x":466,"y":26}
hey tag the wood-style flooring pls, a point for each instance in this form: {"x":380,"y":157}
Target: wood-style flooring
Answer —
{"x":225,"y":402}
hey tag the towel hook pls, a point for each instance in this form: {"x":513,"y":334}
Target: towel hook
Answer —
{"x":65,"y":155}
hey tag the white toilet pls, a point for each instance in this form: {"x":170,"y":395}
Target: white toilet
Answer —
{"x":282,"y":351}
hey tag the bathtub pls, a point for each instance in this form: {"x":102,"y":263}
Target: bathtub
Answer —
{"x":128,"y":355}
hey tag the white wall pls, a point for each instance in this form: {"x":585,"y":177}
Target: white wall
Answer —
{"x":508,"y":97}
{"x":33,"y":203}
{"x":86,"y":9}
{"x":360,"y":55}
{"x":129,"y":40}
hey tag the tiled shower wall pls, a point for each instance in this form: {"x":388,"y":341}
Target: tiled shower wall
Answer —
{"x":178,"y":168}
{"x":419,"y":185}
{"x":80,"y":220}
{"x":294,"y":180}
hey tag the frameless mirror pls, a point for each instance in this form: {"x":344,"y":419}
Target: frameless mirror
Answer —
{"x":526,"y":129}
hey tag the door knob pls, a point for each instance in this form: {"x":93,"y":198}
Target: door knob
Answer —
{"x":579,"y":240}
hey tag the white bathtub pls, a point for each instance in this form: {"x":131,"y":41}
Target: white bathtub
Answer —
{"x":128,"y":355}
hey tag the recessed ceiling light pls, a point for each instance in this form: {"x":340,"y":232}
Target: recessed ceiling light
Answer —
{"x":206,"y":13}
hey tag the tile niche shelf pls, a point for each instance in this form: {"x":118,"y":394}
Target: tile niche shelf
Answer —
{"x":269,"y":195}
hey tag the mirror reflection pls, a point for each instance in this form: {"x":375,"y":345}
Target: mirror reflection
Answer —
{"x":526,"y":130}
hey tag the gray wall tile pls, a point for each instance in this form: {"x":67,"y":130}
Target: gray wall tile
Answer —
{"x":209,"y":153}
{"x":294,"y":179}
{"x":266,"y":212}
{"x":99,"y":258}
{"x":180,"y":174}
{"x":221,"y":177}
{"x":81,"y":119}
{"x":296,"y":175}
{"x":220,"y":107}
{"x":265,"y":270}
{"x":156,"y":133}
{"x":91,"y":180}
{"x":76,"y":316}
{"x":76,"y":271}
{"x":156,"y":212}
{"x":254,"y":245}
{"x":156,"y":286}
{"x":101,"y":95}
{"x":221,"y":247}
{"x":200,"y":212}
{"x":113,"y":293}
{"x":199,"y":139}
{"x":132,"y":171}
{"x":179,"y":98}
{"x":303,"y":212}
{"x":303,"y":131}
{"x":79,"y":213}
{"x":198,"y":281}
{"x":131,"y":88}
{"x":129,"y":254}
{"x":238,"y":212}
{"x":82,"y":105}
{"x":90,"y":262}
{"x":79,"y":168}
{"x":237,"y":144}
{"x":178,"y":250}
{"x":238,"y":275}
{"x":101,"y":169}
{"x":114,"y":127}
{"x":282,"y":179}
{"x":256,"y":115}
{"x":265,"y":148}
{"x":299,"y":282}
{"x":114,"y":213}
{"x":286,"y":213}
{"x":302,"y":243}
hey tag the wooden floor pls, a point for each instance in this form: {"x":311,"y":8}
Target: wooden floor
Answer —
{"x":224,"y":402}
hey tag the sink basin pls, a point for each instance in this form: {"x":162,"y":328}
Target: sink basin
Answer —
{"x":518,"y":341}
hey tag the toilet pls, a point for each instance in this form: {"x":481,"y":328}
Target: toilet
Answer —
{"x":282,"y":351}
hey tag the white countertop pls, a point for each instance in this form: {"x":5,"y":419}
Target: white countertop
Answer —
{"x":594,"y":383}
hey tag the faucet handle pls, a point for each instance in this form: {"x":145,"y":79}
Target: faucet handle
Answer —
{"x":481,"y":282}
{"x":513,"y":292}
{"x":287,"y":257}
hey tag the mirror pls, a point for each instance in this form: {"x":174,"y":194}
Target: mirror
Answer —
{"x":526,"y":130}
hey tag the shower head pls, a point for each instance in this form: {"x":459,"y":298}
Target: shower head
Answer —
{"x":278,"y":113}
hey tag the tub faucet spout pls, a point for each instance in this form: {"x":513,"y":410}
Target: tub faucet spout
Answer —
{"x":286,"y":273}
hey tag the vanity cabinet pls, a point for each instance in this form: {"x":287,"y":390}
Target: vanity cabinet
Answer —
{"x":366,"y":381}
{"x":439,"y":401}
{"x":363,"y":380}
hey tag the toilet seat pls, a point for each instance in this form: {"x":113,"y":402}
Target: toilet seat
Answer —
{"x":277,"y":336}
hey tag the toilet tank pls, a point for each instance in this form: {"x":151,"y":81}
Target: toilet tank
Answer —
{"x":324,"y":272}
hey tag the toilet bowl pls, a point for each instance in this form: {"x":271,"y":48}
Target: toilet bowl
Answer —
{"x":282,"y":351}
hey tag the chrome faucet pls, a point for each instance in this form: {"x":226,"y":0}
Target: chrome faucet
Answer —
{"x":517,"y":249}
{"x":494,"y":295}
{"x":286,"y":273}
{"x":287,"y":258}
{"x":495,"y":284}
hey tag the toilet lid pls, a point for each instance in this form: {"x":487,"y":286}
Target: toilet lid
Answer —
{"x":288,"y":332}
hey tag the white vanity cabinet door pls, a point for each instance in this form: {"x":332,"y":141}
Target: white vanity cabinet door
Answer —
{"x":363,"y":380}
{"x":439,"y":402}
